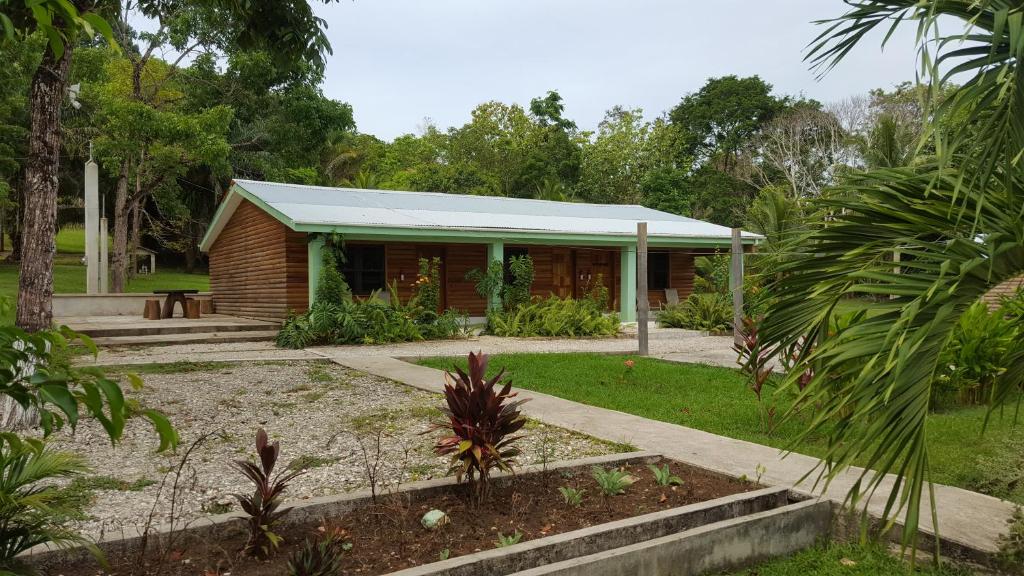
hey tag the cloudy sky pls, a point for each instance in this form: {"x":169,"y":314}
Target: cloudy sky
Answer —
{"x":401,"y":61}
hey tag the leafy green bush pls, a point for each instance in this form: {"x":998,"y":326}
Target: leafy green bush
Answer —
{"x":554,"y":317}
{"x":976,"y":355}
{"x":492,"y":281}
{"x":1011,"y":544}
{"x":36,"y":380}
{"x":331,"y":287}
{"x":709,"y":311}
{"x":712,"y":274}
{"x":517,"y":292}
{"x":598,"y":293}
{"x":428,"y":284}
{"x":369,"y":321}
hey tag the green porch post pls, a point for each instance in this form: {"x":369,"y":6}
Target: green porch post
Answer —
{"x":314,"y":253}
{"x":627,"y":294}
{"x":495,"y":253}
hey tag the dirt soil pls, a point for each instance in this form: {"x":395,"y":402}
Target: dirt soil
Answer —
{"x":388,"y":536}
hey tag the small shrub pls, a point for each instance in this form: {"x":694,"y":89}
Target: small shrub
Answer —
{"x":517,"y":291}
{"x":262,"y":506}
{"x":975,"y":356}
{"x":664,"y":477}
{"x":331,"y":287}
{"x":31,"y":508}
{"x":509,"y":540}
{"x":321,"y":558}
{"x":573,"y":496}
{"x":1011,"y":544}
{"x":710,"y":312}
{"x":369,"y":321}
{"x":428,"y":284}
{"x":711,"y":274}
{"x":482,"y":421}
{"x":554,"y":317}
{"x":492,"y":282}
{"x":597,"y":293}
{"x":612,"y":482}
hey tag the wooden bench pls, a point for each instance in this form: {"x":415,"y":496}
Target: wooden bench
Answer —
{"x":176,"y":297}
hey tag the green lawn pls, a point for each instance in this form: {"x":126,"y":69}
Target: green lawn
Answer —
{"x":69,"y":273}
{"x":848,"y":560}
{"x":718,"y":400}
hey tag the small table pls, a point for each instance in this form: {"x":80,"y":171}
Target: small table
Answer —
{"x":174,"y":296}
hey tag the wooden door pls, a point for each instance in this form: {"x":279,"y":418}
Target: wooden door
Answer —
{"x":601,"y":269}
{"x":429,"y":252}
{"x":563,"y":272}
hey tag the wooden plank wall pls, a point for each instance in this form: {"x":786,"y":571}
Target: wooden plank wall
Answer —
{"x":258,"y":267}
{"x":402,"y":266}
{"x":680,"y":277}
{"x":1007,"y":289}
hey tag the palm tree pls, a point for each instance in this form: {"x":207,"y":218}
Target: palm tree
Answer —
{"x":363,"y":180}
{"x":955,"y":217}
{"x":31,"y":508}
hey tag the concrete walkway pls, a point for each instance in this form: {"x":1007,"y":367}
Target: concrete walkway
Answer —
{"x":670,"y":344}
{"x":967,"y":518}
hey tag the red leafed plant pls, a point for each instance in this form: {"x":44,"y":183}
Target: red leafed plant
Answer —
{"x":262,"y":506}
{"x":483,"y":420}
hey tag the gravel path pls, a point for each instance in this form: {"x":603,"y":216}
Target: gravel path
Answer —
{"x":321,"y":413}
{"x":668,"y":343}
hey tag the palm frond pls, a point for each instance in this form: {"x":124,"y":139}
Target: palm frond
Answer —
{"x":872,"y":380}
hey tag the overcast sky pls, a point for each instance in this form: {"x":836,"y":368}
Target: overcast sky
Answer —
{"x":400,"y":61}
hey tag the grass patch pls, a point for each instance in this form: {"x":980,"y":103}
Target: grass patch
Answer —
{"x":81,"y":492}
{"x":309,"y":461}
{"x":848,"y":560}
{"x":69,"y":278}
{"x":180,"y":367}
{"x":319,"y":373}
{"x":718,"y":400}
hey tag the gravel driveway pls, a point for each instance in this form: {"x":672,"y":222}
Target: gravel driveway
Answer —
{"x":320,"y":412}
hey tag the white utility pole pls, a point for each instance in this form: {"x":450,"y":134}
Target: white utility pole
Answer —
{"x":92,"y":230}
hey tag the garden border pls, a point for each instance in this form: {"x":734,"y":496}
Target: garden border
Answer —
{"x":542,"y":551}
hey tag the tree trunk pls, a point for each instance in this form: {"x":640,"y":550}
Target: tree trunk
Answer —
{"x":39,"y":224}
{"x":133,"y":238}
{"x":119,"y":258}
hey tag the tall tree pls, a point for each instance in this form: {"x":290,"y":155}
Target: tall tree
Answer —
{"x":717,"y":123}
{"x":619,"y":158}
{"x":288,"y":26}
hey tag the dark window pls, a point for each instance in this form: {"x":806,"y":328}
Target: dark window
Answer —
{"x":513,"y":253}
{"x":657,"y":270}
{"x":364,"y":268}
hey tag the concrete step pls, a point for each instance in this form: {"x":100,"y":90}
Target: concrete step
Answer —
{"x":187,"y":338}
{"x":167,"y":328}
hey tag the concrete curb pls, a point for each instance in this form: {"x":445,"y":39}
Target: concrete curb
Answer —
{"x":726,"y":545}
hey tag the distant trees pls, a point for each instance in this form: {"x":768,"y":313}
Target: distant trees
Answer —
{"x":289,"y":27}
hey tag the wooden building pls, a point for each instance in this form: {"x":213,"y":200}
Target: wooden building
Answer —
{"x":265,"y":241}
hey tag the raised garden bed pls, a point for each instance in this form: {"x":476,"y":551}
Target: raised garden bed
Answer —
{"x":387,"y":537}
